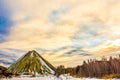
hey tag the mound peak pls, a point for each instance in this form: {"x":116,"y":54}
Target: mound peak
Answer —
{"x":32,"y":62}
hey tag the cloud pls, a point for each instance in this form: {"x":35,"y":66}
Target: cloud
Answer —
{"x":58,"y":27}
{"x":6,"y":58}
{"x":89,"y":35}
{"x":107,"y":49}
{"x":15,"y":50}
{"x":56,"y":15}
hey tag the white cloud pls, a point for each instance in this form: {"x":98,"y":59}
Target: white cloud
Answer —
{"x":33,"y":26}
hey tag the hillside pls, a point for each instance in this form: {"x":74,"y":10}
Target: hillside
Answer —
{"x":32,"y":63}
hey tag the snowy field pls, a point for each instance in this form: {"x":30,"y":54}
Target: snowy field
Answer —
{"x":54,"y":78}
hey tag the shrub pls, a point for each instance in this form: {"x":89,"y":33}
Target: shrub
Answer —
{"x":111,"y":76}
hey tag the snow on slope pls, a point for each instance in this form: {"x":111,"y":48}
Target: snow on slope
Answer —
{"x":50,"y":77}
{"x":43,"y":63}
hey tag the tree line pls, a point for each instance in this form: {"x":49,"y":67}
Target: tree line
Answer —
{"x":93,"y":68}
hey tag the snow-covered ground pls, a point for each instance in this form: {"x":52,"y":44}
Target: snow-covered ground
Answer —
{"x":53,"y":78}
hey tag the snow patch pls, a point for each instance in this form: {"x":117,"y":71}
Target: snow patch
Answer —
{"x":51,"y":77}
{"x":43,"y":63}
{"x":31,"y":55}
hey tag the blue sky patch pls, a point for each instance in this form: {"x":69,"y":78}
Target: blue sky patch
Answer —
{"x":5,"y":22}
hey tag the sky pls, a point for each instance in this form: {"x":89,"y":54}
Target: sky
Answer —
{"x":65,"y":32}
